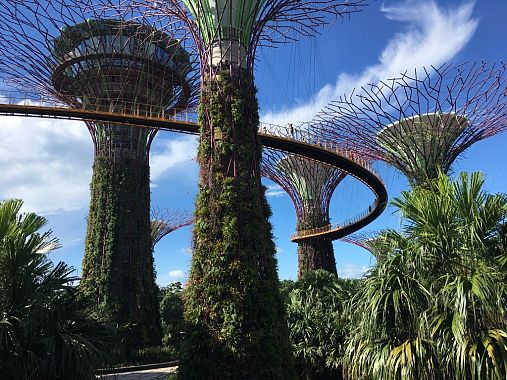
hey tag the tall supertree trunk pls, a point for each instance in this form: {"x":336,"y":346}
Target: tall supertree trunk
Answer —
{"x":118,"y":263}
{"x":236,"y":317}
{"x":314,"y":253}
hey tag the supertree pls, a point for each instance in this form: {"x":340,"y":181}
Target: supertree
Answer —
{"x":101,"y":62}
{"x":369,"y":240}
{"x":235,"y":314}
{"x":310,"y":184}
{"x":421,"y":122}
{"x":165,"y":221}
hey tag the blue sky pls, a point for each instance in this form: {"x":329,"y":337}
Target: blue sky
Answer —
{"x":47,"y":163}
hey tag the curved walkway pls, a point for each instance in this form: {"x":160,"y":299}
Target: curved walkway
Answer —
{"x":273,"y":136}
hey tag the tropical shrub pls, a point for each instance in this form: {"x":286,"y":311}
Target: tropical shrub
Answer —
{"x":171,"y":313}
{"x":317,"y":324}
{"x":45,"y":330}
{"x":433,"y":306}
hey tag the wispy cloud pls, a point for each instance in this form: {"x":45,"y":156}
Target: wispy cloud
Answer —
{"x":170,"y":153}
{"x":275,"y":191}
{"x":187,"y":251}
{"x":432,"y":36}
{"x":348,"y":270}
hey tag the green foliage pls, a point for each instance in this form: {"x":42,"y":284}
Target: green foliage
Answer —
{"x":318,"y":325}
{"x":45,"y":329}
{"x":235,"y":314}
{"x":286,"y":286}
{"x":149,"y":355}
{"x":118,"y":271}
{"x":434,"y":305}
{"x":171,"y":313}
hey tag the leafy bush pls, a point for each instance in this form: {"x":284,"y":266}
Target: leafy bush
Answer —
{"x":149,"y":355}
{"x":317,"y":324}
{"x":45,"y":329}
{"x":171,"y":313}
{"x":433,"y":307}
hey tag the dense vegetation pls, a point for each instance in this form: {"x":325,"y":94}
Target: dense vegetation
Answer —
{"x":118,"y":272}
{"x":433,"y":306}
{"x":45,"y":328}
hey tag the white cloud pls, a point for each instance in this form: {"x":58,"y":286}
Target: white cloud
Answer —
{"x":170,"y":153}
{"x":275,"y":191}
{"x":176,"y":275}
{"x":433,"y":36}
{"x":45,"y":162}
{"x":48,"y":163}
{"x":187,"y":251}
{"x":348,"y":270}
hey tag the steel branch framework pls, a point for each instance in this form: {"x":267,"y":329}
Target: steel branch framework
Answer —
{"x":165,"y":221}
{"x":421,"y":122}
{"x":309,"y":183}
{"x":89,"y":59}
{"x":364,"y":239}
{"x":228,"y":32}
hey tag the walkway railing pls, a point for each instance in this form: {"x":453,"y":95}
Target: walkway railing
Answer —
{"x":130,"y":108}
{"x":305,"y":136}
{"x":330,"y":228}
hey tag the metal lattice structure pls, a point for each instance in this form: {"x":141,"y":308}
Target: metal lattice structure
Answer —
{"x":421,"y":122}
{"x":165,"y":221}
{"x":228,"y":32}
{"x":310,"y":184}
{"x":365,"y":239}
{"x":98,"y":61}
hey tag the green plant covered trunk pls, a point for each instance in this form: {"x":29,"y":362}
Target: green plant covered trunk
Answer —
{"x":315,"y":253}
{"x":118,"y":264}
{"x":235,"y":315}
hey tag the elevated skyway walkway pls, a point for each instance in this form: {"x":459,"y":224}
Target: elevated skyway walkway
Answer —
{"x":283,"y":138}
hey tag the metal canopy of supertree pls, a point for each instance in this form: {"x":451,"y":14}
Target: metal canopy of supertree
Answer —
{"x":421,"y":122}
{"x":101,"y":62}
{"x":164,"y":221}
{"x":228,"y":32}
{"x":310,"y":185}
{"x":369,"y":240}
{"x":96,"y":61}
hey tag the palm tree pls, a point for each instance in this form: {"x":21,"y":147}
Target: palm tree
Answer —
{"x":45,"y":332}
{"x":433,"y":307}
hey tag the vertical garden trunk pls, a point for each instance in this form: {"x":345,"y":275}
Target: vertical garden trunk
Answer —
{"x":118,"y":264}
{"x":237,"y":327}
{"x":315,"y":253}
